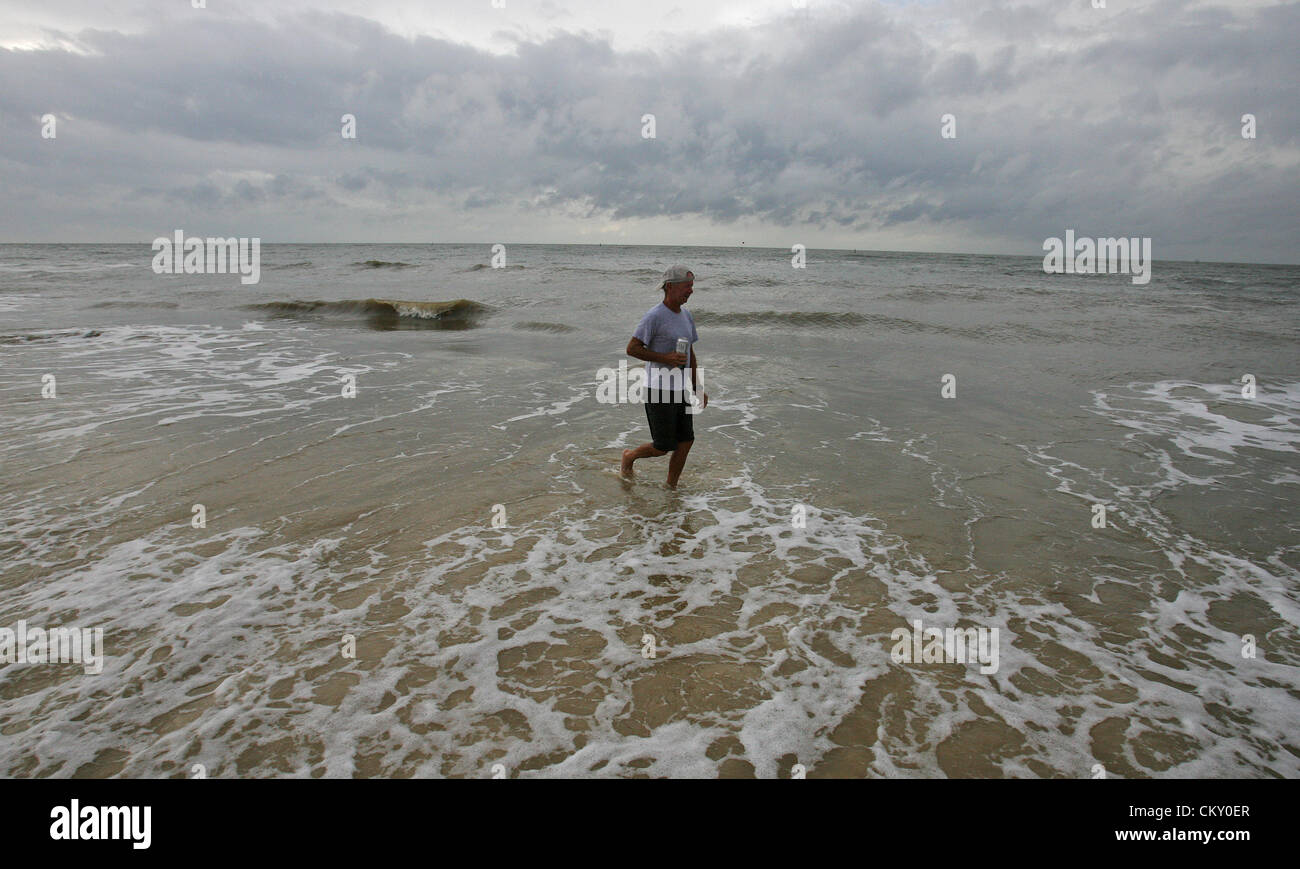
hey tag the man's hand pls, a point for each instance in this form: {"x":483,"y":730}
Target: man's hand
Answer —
{"x":637,"y":350}
{"x":704,"y":400}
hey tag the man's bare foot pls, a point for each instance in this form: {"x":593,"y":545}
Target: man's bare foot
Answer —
{"x":626,"y":469}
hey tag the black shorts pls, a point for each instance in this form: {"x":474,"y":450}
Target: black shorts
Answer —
{"x":670,"y":424}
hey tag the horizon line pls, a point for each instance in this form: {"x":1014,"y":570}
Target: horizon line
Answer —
{"x":642,"y":244}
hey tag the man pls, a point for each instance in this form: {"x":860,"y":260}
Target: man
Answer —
{"x":655,"y":342}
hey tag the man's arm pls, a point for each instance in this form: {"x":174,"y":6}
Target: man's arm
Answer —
{"x":638,"y":350}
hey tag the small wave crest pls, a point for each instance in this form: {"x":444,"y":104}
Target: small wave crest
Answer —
{"x":639,"y":272}
{"x":751,"y":282}
{"x":783,"y":319}
{"x":385,"y":313}
{"x":382,"y":264}
{"x":125,"y":304}
{"x":544,"y":327}
{"x":53,"y":269}
{"x":49,"y":336}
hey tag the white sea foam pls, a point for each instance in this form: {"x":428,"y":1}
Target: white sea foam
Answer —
{"x":1181,"y":411}
{"x":522,"y":644}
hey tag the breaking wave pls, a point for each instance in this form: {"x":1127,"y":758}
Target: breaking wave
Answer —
{"x":385,"y":313}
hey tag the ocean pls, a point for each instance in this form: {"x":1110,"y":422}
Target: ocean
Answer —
{"x":414,"y":556}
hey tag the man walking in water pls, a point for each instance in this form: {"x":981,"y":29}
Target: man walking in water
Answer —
{"x":656,"y":341}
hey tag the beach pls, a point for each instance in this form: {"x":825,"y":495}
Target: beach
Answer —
{"x":443,"y":572}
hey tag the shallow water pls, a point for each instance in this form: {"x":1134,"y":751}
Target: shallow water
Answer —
{"x":525,"y":644}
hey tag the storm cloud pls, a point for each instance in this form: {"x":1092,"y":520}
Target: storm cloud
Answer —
{"x":819,"y":126}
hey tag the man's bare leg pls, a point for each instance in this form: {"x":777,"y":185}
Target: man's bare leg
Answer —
{"x":677,"y":462}
{"x":644,"y":451}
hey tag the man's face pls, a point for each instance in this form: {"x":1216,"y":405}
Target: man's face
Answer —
{"x":679,"y":293}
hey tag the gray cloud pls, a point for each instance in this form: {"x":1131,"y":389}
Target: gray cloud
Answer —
{"x":823,"y":126}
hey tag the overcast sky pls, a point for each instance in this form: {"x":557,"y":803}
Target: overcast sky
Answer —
{"x":774,"y":124}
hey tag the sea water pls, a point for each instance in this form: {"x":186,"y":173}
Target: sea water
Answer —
{"x":362,"y":518}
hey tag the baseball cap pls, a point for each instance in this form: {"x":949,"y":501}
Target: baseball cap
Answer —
{"x":677,"y":275}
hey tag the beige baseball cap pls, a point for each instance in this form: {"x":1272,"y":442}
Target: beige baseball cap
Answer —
{"x":677,"y":275}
